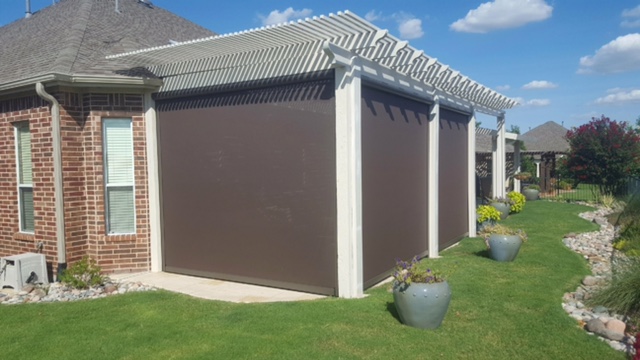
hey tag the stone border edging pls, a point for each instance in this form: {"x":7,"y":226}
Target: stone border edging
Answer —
{"x":597,"y":248}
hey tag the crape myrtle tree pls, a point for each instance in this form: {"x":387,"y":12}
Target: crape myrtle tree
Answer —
{"x":604,"y":152}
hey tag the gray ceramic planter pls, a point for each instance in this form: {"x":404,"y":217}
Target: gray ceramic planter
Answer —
{"x":504,"y":247}
{"x":422,"y":305}
{"x":531,"y":194}
{"x":503,"y":208}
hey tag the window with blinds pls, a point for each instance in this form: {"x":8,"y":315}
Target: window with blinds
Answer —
{"x":25,"y":178}
{"x":118,"y":168}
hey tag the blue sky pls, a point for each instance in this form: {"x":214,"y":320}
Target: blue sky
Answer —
{"x":564,"y":60}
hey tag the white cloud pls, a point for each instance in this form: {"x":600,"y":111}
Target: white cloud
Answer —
{"x":635,"y":12}
{"x":632,"y":17}
{"x":277,"y":17}
{"x":410,"y":28}
{"x":532,"y":102}
{"x":539,"y":84}
{"x":538,"y":102}
{"x":630,"y":23}
{"x":620,"y":55}
{"x":503,"y":14}
{"x":503,"y":87}
{"x":372,"y":16}
{"x":619,"y":96}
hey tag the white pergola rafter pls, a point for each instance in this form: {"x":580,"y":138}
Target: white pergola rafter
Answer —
{"x":296,"y":47}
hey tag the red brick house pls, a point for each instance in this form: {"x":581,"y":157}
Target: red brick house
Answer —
{"x":62,"y":49}
{"x":306,"y":155}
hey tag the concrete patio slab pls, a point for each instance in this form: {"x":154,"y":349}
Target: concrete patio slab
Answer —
{"x":212,"y":289}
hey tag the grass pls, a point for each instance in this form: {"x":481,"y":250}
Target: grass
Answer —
{"x":498,"y":311}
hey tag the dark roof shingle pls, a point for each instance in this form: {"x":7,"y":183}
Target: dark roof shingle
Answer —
{"x":73,"y":37}
{"x":548,"y":137}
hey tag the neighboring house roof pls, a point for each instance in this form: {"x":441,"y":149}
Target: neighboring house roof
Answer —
{"x":73,"y":37}
{"x":484,"y":142}
{"x":307,"y":46}
{"x":548,"y":137}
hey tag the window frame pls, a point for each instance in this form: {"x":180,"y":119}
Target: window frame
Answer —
{"x":21,"y":187}
{"x":108,"y":185}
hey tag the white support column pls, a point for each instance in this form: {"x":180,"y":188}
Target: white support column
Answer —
{"x":471,"y":155}
{"x":153,"y":180}
{"x":516,"y":165}
{"x":499,"y":160}
{"x":432,"y":179}
{"x":349,"y":181}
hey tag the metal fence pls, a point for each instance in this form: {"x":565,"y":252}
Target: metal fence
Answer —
{"x":565,"y":189}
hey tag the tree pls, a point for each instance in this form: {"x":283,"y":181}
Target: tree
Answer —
{"x":604,"y":152}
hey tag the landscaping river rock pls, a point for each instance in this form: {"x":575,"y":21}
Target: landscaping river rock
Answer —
{"x":597,"y":249}
{"x":58,"y":292}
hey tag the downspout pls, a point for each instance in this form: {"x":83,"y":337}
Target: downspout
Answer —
{"x":57,"y":177}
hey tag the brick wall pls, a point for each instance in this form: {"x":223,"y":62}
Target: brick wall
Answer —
{"x":121,"y":252}
{"x":34,"y":110}
{"x":81,"y":130}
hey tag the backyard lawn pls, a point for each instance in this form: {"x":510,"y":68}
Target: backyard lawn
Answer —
{"x":498,"y":311}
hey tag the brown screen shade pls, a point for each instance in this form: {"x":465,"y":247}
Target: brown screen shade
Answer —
{"x":248,"y":186}
{"x":394,"y":180}
{"x":453,"y":215}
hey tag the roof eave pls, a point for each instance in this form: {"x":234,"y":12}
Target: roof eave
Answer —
{"x":82,"y":81}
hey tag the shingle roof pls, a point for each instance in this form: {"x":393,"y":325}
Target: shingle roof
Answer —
{"x":484,"y":143}
{"x":545,"y":138}
{"x":73,"y":37}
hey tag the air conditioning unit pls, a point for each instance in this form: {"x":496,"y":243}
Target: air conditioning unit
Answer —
{"x":19,"y":270}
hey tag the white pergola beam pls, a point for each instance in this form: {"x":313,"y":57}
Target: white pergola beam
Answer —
{"x":433,"y":146}
{"x":471,"y":156}
{"x":499,"y":162}
{"x":349,"y":182}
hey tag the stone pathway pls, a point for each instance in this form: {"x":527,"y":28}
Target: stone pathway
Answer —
{"x":597,"y":249}
{"x":57,"y":292}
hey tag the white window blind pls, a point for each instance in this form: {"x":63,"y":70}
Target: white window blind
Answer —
{"x":25,"y":178}
{"x":118,"y":165}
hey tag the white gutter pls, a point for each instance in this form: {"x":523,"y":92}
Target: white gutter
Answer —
{"x":57,"y":176}
{"x":85,"y":81}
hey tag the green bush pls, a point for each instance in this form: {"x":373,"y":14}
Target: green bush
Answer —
{"x":83,"y":274}
{"x":518,"y":201}
{"x":629,"y":222}
{"x":564,"y":185}
{"x":487,"y":213}
{"x":622,"y":294}
{"x":629,"y":239}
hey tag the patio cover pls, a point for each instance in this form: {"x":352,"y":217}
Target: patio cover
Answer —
{"x":313,"y":45}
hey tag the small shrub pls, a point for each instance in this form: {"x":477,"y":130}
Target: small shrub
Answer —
{"x":629,"y":239}
{"x":564,"y":185}
{"x":518,"y":200}
{"x":487,"y":213}
{"x":607,"y":200}
{"x":533,"y":187}
{"x":407,"y":272}
{"x":83,"y":274}
{"x":622,"y":294}
{"x":502,"y":230}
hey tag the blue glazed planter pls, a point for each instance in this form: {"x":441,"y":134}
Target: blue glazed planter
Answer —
{"x":531,"y":194}
{"x":422,"y":305}
{"x":503,"y":208}
{"x":504,"y":247}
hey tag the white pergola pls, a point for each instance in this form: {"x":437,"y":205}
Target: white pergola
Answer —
{"x":357,"y":50}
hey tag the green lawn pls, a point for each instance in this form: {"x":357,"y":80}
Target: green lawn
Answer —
{"x":498,"y":311}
